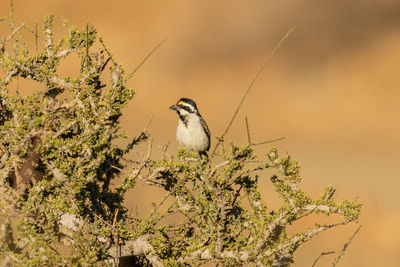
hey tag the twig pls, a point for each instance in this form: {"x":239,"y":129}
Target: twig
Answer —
{"x":107,"y":51}
{"x":159,"y":205}
{"x":115,"y":216}
{"x":117,"y":246}
{"x":201,"y":205}
{"x":142,"y":136}
{"x":322,"y":254}
{"x":229,"y":160}
{"x":55,"y":250}
{"x":341,"y":253}
{"x":236,"y":195}
{"x":10,"y":36}
{"x":26,"y":27}
{"x":63,"y":129}
{"x":104,"y":221}
{"x":169,"y":212}
{"x":241,"y":151}
{"x":87,"y":45}
{"x":178,"y":185}
{"x":149,"y":149}
{"x":248,"y":131}
{"x":36,"y":37}
{"x":12,"y":26}
{"x":251,"y":86}
{"x":296,"y":240}
{"x":268,"y":141}
{"x":146,"y":126}
{"x":328,"y":196}
{"x":12,"y":14}
{"x":18,"y":179}
{"x":144,"y":60}
{"x":135,"y":175}
{"x":165,"y":148}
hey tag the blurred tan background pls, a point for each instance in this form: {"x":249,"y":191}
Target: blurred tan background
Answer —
{"x":332,"y":91}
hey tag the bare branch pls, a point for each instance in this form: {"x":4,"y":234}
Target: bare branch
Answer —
{"x":293,"y":242}
{"x":144,"y":60}
{"x":12,"y":14}
{"x":149,"y":149}
{"x":107,"y":51}
{"x":268,"y":141}
{"x":251,"y":85}
{"x":322,"y":254}
{"x":342,"y":251}
{"x":142,"y":136}
{"x":87,"y":46}
{"x":11,"y":35}
{"x":146,"y":126}
{"x":48,"y":36}
{"x":248,"y":131}
{"x":12,"y":26}
{"x":36,"y":37}
{"x":165,"y":148}
{"x":241,"y":151}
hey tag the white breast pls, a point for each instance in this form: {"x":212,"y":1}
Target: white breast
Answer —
{"x":192,"y":135}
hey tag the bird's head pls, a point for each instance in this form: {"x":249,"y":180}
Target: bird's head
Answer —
{"x":185,"y":106}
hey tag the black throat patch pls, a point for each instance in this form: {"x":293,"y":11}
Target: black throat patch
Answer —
{"x":183,"y":118}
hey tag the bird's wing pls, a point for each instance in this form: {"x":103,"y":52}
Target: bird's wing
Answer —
{"x":205,"y":127}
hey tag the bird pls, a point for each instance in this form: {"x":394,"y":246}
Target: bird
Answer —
{"x":192,"y":131}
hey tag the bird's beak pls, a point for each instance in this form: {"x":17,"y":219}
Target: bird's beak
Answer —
{"x":173,"y":107}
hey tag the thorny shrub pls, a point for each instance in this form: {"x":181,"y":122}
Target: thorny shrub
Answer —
{"x":58,"y":156}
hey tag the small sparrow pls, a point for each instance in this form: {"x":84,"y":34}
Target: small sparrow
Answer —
{"x":192,"y":131}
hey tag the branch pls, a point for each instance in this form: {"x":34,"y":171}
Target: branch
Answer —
{"x":48,"y":43}
{"x":144,"y":135}
{"x":139,"y":247}
{"x":10,"y":36}
{"x":294,"y":242}
{"x":251,"y":86}
{"x":241,"y":151}
{"x":322,"y":254}
{"x":144,"y":60}
{"x":248,"y":131}
{"x":341,"y":253}
{"x":268,"y":141}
